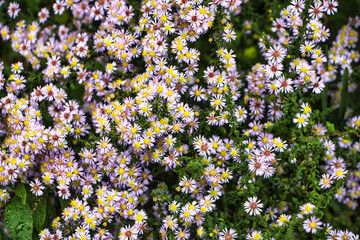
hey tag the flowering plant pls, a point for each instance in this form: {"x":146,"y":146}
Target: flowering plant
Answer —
{"x":179,"y":119}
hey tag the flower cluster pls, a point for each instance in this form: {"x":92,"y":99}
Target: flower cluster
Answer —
{"x":114,"y":117}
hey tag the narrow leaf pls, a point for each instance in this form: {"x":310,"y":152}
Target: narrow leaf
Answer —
{"x":50,"y":213}
{"x":324,"y":98}
{"x":344,"y":96}
{"x":39,"y":215}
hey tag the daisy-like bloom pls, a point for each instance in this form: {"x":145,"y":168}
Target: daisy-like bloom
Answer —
{"x":226,"y":175}
{"x":312,"y":224}
{"x":110,"y":67}
{"x":194,"y":18}
{"x":43,"y":15}
{"x":58,"y":7}
{"x":307,"y":47}
{"x":63,"y":191}
{"x":182,"y":234}
{"x":197,"y":92}
{"x":329,"y":145}
{"x":283,"y":85}
{"x":255,"y":128}
{"x":104,"y":145}
{"x":279,"y":25}
{"x":339,"y":173}
{"x":340,"y":194}
{"x":207,"y":204}
{"x":170,"y":222}
{"x":169,"y":27}
{"x":212,"y":120}
{"x":241,"y":114}
{"x":297,"y":6}
{"x":344,"y":142}
{"x":267,"y":154}
{"x":227,"y":234}
{"x":140,"y":217}
{"x":257,"y":107}
{"x":218,"y":102}
{"x":13,"y":9}
{"x":17,"y":67}
{"x":215,"y":192}
{"x":87,"y":191}
{"x":163,"y":232}
{"x":200,"y":232}
{"x":317,"y":10}
{"x":128,"y":233}
{"x":229,"y":35}
{"x":187,"y":184}
{"x":280,"y":145}
{"x":211,"y":75}
{"x":276,"y":54}
{"x":145,"y":109}
{"x":81,"y":49}
{"x":306,"y":108}
{"x":347,"y":235}
{"x":47,"y":178}
{"x":269,"y":171}
{"x":247,"y":25}
{"x":317,"y":85}
{"x":283,"y":220}
{"x":36,"y":187}
{"x":253,"y":206}
{"x":202,"y":145}
{"x":330,"y":6}
{"x":307,"y":208}
{"x":355,"y":122}
{"x":355,"y":21}
{"x":174,"y":206}
{"x":254,"y":235}
{"x":273,"y":70}
{"x":4,"y":195}
{"x":326,"y":181}
{"x":301,"y":120}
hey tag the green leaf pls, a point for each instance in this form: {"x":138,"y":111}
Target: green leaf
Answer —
{"x":76,"y":91}
{"x":20,"y":191}
{"x":330,"y":126}
{"x":324,"y":98}
{"x":315,"y":140}
{"x":4,"y":236}
{"x":50,"y":213}
{"x":31,"y":198}
{"x":18,"y":220}
{"x":35,"y":235}
{"x":39,"y":215}
{"x":344,"y":95}
{"x":250,"y":52}
{"x":64,"y":202}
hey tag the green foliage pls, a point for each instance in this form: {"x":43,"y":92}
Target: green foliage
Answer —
{"x":193,"y":167}
{"x":26,"y":214}
{"x":250,"y":52}
{"x":76,"y":91}
{"x":344,"y":95}
{"x":20,"y":191}
{"x":64,"y":202}
{"x":331,"y":127}
{"x":18,"y":220}
{"x":50,"y":213}
{"x":39,"y":215}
